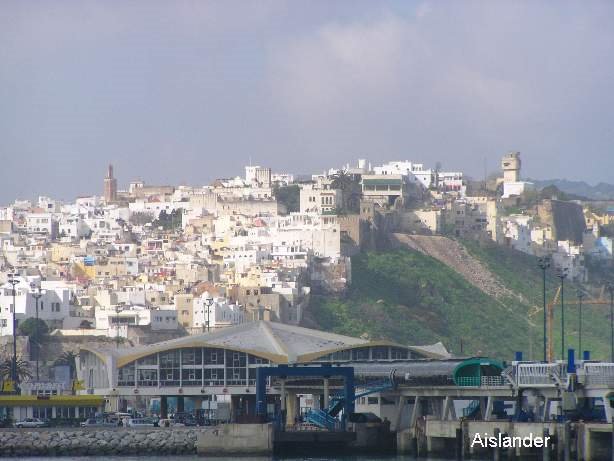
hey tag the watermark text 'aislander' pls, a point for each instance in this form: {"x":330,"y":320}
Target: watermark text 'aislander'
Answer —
{"x":506,"y":441}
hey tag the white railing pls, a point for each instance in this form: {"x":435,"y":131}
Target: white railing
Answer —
{"x":539,"y":374}
{"x":492,"y":381}
{"x":599,"y":374}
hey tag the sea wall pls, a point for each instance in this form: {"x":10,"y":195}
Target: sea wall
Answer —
{"x":99,"y":441}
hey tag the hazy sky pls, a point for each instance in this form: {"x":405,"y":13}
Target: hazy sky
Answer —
{"x":186,"y":91}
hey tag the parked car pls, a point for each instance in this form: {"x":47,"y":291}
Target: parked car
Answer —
{"x":185,"y":419}
{"x":142,"y":422}
{"x":93,"y":422}
{"x":30,"y":422}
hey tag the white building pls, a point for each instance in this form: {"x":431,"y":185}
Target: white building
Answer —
{"x":320,"y":197}
{"x":451,"y":181}
{"x":570,"y":258}
{"x":413,"y":172}
{"x":257,"y":175}
{"x":517,"y":232}
{"x":53,"y":306}
{"x":512,"y":185}
{"x":217,"y":311}
{"x":282,"y":179}
{"x":42,"y":223}
{"x":111,"y":317}
{"x":73,"y":227}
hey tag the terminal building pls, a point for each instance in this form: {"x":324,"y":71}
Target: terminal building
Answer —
{"x":221,"y":365}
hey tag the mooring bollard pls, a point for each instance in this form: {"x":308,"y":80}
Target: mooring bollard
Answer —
{"x":546,"y":448}
{"x":459,"y":444}
{"x":496,"y":451}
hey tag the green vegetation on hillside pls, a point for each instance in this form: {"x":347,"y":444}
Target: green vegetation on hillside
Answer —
{"x":411,"y":298}
{"x":520,"y":273}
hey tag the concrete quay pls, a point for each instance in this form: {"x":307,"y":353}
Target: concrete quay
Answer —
{"x":567,"y":441}
{"x":236,"y":439}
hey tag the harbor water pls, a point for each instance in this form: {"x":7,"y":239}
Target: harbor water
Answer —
{"x":366,"y":457}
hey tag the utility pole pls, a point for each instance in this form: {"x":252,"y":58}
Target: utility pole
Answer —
{"x":610,"y":289}
{"x":36,"y":294}
{"x":13,"y":281}
{"x":209,"y":303}
{"x":562,"y":274}
{"x":117,"y":311}
{"x":580,"y":298}
{"x":544,"y":264}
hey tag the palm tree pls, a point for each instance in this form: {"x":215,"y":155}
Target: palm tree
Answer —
{"x":349,"y":187}
{"x":68,"y":358}
{"x":23,"y":369}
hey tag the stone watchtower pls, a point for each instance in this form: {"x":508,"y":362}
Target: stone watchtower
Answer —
{"x":510,"y":164}
{"x":110,"y":186}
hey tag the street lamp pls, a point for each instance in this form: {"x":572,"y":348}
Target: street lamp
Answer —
{"x":118,"y":309}
{"x":580,"y":298}
{"x":610,"y":289}
{"x":544,"y":264}
{"x":562,"y":275}
{"x":36,"y":294}
{"x":13,"y":281}
{"x":209,"y":302}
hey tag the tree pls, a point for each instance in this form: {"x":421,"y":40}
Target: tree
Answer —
{"x":350,"y":190}
{"x":288,"y":196}
{"x":141,"y":218}
{"x":87,"y":324}
{"x":33,"y":328}
{"x":23,"y":369}
{"x":68,"y":358}
{"x":169,"y":221}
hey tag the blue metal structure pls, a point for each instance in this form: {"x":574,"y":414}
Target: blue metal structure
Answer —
{"x":327,"y":418}
{"x":284,"y":371}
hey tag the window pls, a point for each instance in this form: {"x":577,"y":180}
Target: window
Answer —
{"x":372,"y":400}
{"x":169,"y":368}
{"x":191,"y":356}
{"x":397,"y":353}
{"x":213,"y":376}
{"x":192,"y":377}
{"x":379,"y":353}
{"x":148,"y":377}
{"x":257,"y":360}
{"x":126,"y":375}
{"x":149,"y":360}
{"x":361,"y":354}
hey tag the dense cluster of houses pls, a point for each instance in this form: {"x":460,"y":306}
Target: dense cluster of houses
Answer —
{"x":156,"y":260}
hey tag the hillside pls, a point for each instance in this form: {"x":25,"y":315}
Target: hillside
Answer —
{"x":601,"y":191}
{"x":410,"y":297}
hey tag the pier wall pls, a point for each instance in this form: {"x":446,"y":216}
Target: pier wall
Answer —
{"x":584,"y":441}
{"x":98,"y":441}
{"x":237,"y":439}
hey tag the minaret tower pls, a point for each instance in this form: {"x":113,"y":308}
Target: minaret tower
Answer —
{"x":110,"y":186}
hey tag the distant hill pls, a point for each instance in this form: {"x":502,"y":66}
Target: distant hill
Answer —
{"x":412,"y":298}
{"x":602,"y":191}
